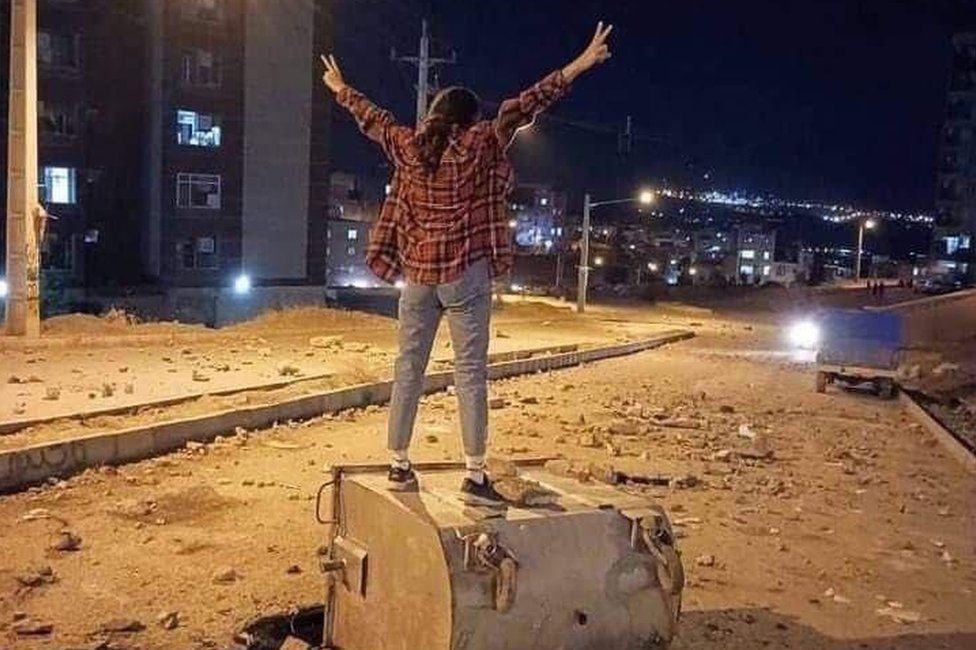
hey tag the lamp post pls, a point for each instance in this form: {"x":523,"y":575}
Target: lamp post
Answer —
{"x":25,"y":217}
{"x":867,"y":224}
{"x":646,"y":197}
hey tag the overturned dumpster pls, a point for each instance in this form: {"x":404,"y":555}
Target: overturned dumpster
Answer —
{"x":586,"y":567}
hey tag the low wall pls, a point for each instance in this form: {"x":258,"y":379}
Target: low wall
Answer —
{"x":937,"y":321}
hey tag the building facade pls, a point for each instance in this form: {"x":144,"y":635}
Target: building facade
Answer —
{"x":954,"y":247}
{"x":182,"y":142}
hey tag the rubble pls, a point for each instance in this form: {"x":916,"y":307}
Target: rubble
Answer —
{"x":123,"y":626}
{"x":224,"y":576}
{"x":28,"y":627}
{"x":66,"y":542}
{"x":168,"y":620}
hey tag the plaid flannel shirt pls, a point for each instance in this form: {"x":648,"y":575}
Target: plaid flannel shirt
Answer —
{"x":431,"y":227}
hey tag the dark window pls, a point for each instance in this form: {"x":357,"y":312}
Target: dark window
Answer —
{"x":198,"y":191}
{"x":197,"y":253}
{"x":57,"y":50}
{"x":201,"y":68}
{"x":57,"y":119}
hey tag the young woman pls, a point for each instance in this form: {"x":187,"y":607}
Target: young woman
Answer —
{"x":443,"y":230}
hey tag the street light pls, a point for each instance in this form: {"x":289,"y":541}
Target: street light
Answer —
{"x":652,"y":267}
{"x":867,"y":224}
{"x":645,"y":197}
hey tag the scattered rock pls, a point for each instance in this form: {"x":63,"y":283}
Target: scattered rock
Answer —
{"x":129,"y":389}
{"x":168,"y":620}
{"x":496,"y":403}
{"x":108,"y":390}
{"x":66,"y":542}
{"x":431,"y":438}
{"x":722,"y":454}
{"x":294,"y":643}
{"x":123,"y":626}
{"x":500,"y":467}
{"x":524,"y":492}
{"x":684,"y":482}
{"x":28,"y":627}
{"x":325,"y":342}
{"x":225,"y":576}
{"x":288,"y":370}
{"x":705,"y":560}
{"x":623,"y":427}
{"x":293,"y":569}
{"x":746,"y":432}
{"x":899,"y":615}
{"x":52,"y":393}
{"x":199,"y":376}
{"x":36,"y":576}
{"x":725,"y":408}
{"x":502,"y":335}
{"x":588,"y":440}
{"x":529,"y":400}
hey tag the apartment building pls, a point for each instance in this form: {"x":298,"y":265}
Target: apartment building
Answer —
{"x":182,"y":142}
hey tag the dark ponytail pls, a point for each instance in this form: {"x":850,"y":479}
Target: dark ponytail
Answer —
{"x":453,"y":110}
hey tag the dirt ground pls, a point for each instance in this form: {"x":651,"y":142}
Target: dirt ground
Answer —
{"x":857,"y":533}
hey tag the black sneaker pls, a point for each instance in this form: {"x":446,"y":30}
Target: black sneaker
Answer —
{"x":481,"y":493}
{"x":402,"y":480}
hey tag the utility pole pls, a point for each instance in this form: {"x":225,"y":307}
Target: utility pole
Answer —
{"x":424,"y":64}
{"x":584,"y":263}
{"x":25,"y":217}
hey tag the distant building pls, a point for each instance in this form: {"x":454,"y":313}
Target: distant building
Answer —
{"x":539,"y":213}
{"x":954,"y":247}
{"x":755,"y":252}
{"x":346,"y":254}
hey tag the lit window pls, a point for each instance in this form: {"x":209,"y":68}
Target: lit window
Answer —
{"x":351,"y":251}
{"x":200,"y":68}
{"x":352,"y":234}
{"x":746,"y":269}
{"x":748,"y":255}
{"x":198,"y":191}
{"x":60,"y":185}
{"x":559,"y":232}
{"x":57,"y":50}
{"x":766,"y":269}
{"x":544,"y":201}
{"x":964,"y":242}
{"x":766,"y":255}
{"x":197,"y":253}
{"x":951,"y":245}
{"x":197,"y":129}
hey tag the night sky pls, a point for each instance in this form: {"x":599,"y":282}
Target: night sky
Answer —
{"x":838,"y":100}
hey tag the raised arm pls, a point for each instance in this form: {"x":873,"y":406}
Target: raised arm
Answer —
{"x":377,"y":124}
{"x":520,"y":111}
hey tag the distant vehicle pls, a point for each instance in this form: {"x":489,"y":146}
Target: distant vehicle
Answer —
{"x":859,"y":347}
{"x":939,"y":284}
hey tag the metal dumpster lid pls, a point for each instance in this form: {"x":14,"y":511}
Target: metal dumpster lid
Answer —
{"x":440,"y":500}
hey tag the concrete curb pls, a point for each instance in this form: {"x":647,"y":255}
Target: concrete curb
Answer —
{"x":945,"y":437}
{"x":33,"y":464}
{"x":8,"y":427}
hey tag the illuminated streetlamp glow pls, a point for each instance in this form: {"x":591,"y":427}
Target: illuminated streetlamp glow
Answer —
{"x":512,"y":223}
{"x":692,"y":271}
{"x":242,"y":284}
{"x":597,"y":261}
{"x":3,"y":288}
{"x":651,"y":266}
{"x":870,"y":224}
{"x":646,"y":197}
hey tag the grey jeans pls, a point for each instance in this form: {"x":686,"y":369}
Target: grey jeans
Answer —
{"x":467,"y":303}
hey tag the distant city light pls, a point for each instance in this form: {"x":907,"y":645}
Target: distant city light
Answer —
{"x":598,"y":261}
{"x":870,"y":223}
{"x":512,"y":223}
{"x":692,"y":271}
{"x":399,"y":284}
{"x":647,"y":197}
{"x":517,"y":288}
{"x":3,"y":288}
{"x":651,"y":266}
{"x":387,"y":189}
{"x":242,"y":284}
